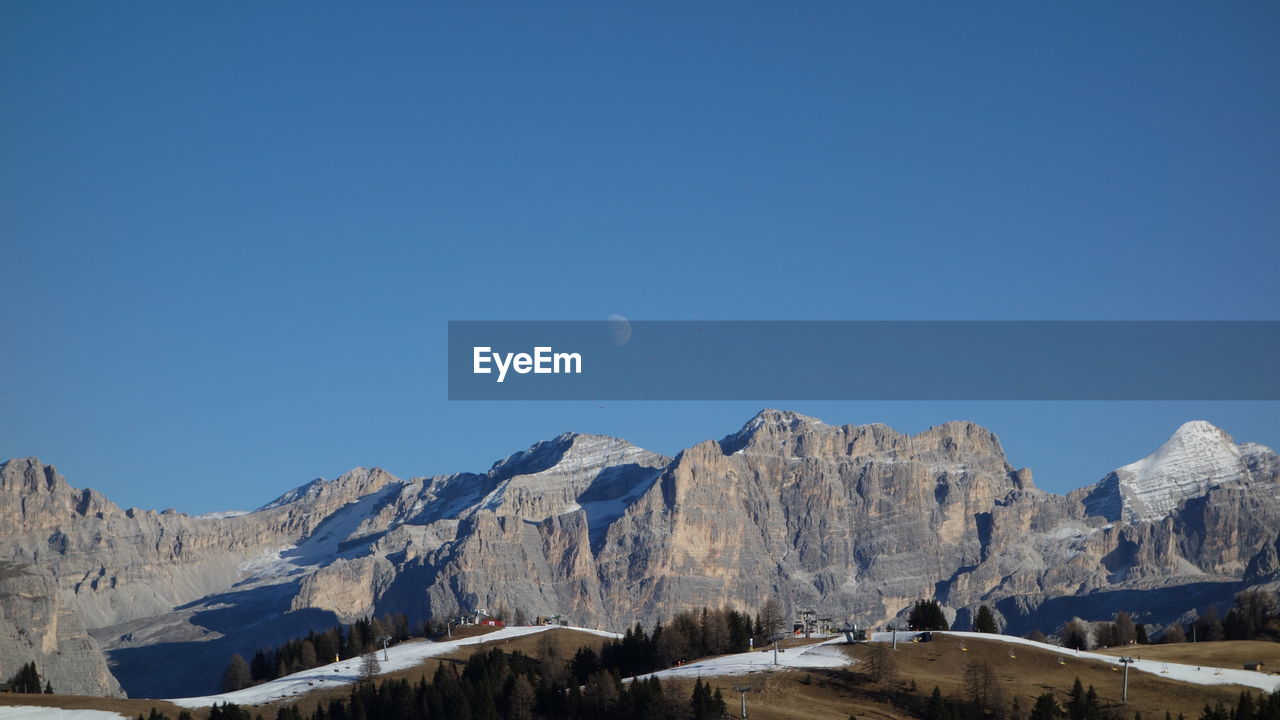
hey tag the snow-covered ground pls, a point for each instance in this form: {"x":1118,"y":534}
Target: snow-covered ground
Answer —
{"x":29,"y":712}
{"x":398,"y":657}
{"x":1198,"y":675}
{"x":825,"y":654}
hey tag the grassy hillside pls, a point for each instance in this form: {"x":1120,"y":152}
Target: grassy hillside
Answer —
{"x":1227,"y":654}
{"x":1034,"y":671}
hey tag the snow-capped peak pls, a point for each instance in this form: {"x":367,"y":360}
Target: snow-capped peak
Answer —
{"x":1198,"y":451}
{"x":1198,"y":456}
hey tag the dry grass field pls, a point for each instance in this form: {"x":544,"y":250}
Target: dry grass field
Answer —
{"x":1033,"y":671}
{"x":1228,"y":654}
{"x":128,"y":708}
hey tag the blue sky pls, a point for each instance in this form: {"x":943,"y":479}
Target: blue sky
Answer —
{"x":231,"y":235}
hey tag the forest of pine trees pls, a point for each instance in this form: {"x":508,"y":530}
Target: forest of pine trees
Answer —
{"x":316,"y":649}
{"x":497,"y":685}
{"x":689,"y":635}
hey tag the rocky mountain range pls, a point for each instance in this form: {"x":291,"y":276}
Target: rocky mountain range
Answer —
{"x":854,"y":521}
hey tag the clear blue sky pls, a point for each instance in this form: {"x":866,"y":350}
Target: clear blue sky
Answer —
{"x":231,"y":234}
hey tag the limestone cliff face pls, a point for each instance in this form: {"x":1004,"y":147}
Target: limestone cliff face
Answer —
{"x":36,"y":625}
{"x":853,"y":521}
{"x":855,"y":518}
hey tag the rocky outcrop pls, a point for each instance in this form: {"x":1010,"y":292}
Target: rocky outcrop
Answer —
{"x":853,"y":521}
{"x":37,"y":626}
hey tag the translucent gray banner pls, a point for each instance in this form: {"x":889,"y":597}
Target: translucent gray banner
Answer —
{"x":818,"y":360}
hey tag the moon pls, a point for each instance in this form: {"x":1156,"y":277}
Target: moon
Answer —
{"x":619,"y":330}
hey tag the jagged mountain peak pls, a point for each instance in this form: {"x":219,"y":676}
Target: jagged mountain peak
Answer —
{"x":772,"y":418}
{"x":794,"y":434}
{"x":961,"y":431}
{"x":766,"y":425}
{"x":566,"y":449}
{"x":353,"y":483}
{"x":29,"y":475}
{"x":35,"y":495}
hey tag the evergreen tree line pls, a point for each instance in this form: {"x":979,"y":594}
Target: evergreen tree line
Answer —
{"x":186,"y":715}
{"x":497,"y":685}
{"x":689,"y":635}
{"x":977,"y":701}
{"x":317,"y":648}
{"x":982,"y":698}
{"x":1254,"y":615}
{"x":27,"y":680}
{"x":1248,"y":707}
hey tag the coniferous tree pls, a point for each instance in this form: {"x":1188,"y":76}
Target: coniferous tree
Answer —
{"x":985,"y":622}
{"x":1092,"y":706}
{"x":1076,"y":701}
{"x":1217,"y":712}
{"x":370,"y":667}
{"x":1126,"y":631}
{"x":1209,"y":626}
{"x":927,"y":615}
{"x":1046,"y":708}
{"x":936,"y":707}
{"x":261,"y":668}
{"x":771,"y":618}
{"x":584,"y":663}
{"x":236,"y":676}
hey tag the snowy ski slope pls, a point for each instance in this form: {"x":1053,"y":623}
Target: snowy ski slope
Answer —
{"x":399,"y":657}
